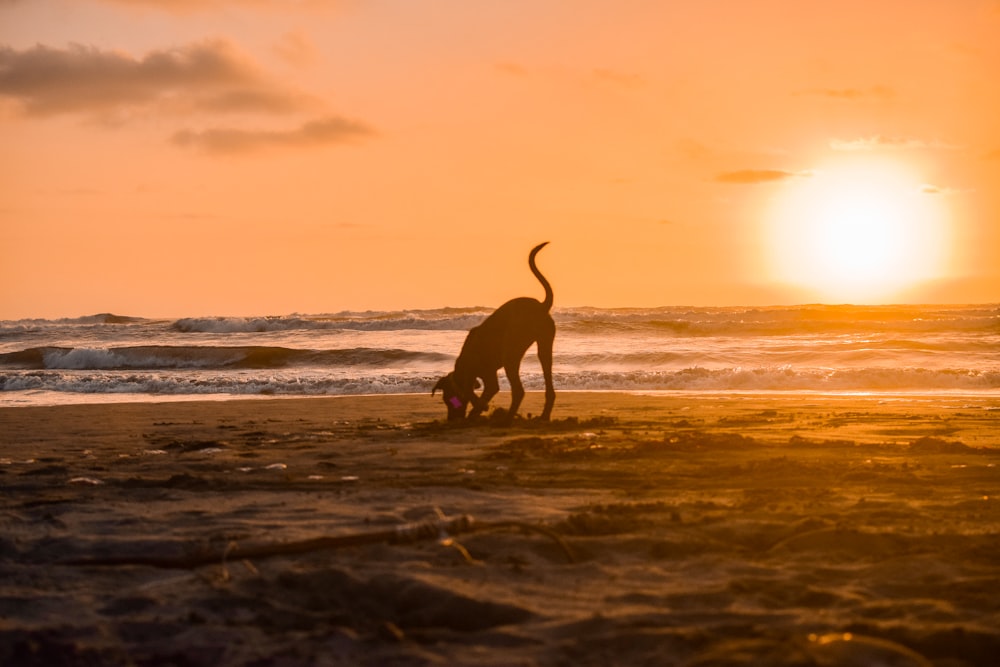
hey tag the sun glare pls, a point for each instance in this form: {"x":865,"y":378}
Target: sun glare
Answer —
{"x":861,"y":233}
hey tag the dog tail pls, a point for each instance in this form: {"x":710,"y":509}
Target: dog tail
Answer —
{"x":538,"y":274}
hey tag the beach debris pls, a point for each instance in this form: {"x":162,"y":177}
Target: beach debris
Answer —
{"x":440,"y":528}
{"x":85,"y":480}
{"x":852,"y":649}
{"x":390,"y":631}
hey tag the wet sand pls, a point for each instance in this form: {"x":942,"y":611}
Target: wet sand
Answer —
{"x":632,"y":530}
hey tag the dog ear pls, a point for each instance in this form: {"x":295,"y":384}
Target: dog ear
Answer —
{"x":441,"y":384}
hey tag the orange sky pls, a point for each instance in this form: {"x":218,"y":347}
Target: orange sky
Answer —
{"x":246,"y":157}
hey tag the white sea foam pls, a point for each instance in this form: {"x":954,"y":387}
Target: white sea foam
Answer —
{"x":428,"y":320}
{"x":690,"y":379}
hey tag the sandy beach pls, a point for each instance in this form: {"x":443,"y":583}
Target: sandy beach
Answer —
{"x":662,"y":529}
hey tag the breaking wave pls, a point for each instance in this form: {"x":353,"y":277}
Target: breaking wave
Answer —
{"x":164,"y":357}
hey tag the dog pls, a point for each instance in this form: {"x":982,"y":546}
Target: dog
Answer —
{"x":500,"y":342}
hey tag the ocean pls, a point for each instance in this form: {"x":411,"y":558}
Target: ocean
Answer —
{"x":811,"y":348}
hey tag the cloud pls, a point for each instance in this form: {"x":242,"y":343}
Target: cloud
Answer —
{"x":321,"y":132}
{"x":850,"y":94}
{"x":511,"y":68}
{"x":692,"y":149}
{"x":295,"y":48}
{"x":210,"y":75}
{"x":879,"y":141}
{"x":755,"y":176}
{"x":188,"y":6}
{"x":618,"y":78}
{"x":265,"y":101}
{"x":931,"y":189}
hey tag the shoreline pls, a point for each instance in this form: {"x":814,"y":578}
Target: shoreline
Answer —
{"x":770,"y":417}
{"x":57,"y":399}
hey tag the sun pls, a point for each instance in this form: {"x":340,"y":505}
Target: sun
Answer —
{"x":858,"y":232}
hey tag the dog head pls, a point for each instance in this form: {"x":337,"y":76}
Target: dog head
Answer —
{"x":456,"y":397}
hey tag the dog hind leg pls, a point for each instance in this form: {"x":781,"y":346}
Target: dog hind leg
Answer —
{"x":545,"y":359}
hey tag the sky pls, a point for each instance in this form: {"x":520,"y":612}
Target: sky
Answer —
{"x":169,"y":158}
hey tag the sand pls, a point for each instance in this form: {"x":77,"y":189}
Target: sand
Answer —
{"x":632,"y":530}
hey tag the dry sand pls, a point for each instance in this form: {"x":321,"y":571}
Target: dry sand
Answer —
{"x":703,"y":530}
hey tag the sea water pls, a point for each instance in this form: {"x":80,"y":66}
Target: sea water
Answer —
{"x":812,"y":348}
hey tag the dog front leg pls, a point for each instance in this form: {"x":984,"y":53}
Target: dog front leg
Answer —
{"x":491,"y":385}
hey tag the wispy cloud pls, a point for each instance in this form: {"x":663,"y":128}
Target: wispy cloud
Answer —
{"x":618,"y":78}
{"x":931,"y":189}
{"x":880,"y":141}
{"x":211,"y":75}
{"x":187,"y":6}
{"x":322,"y":132}
{"x":296,"y":48}
{"x":850,"y":94}
{"x":755,"y":176}
{"x":512,"y":68}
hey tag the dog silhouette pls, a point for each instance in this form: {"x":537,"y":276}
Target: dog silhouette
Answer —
{"x":500,"y":342}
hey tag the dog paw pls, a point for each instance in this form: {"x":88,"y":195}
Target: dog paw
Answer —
{"x":500,"y":417}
